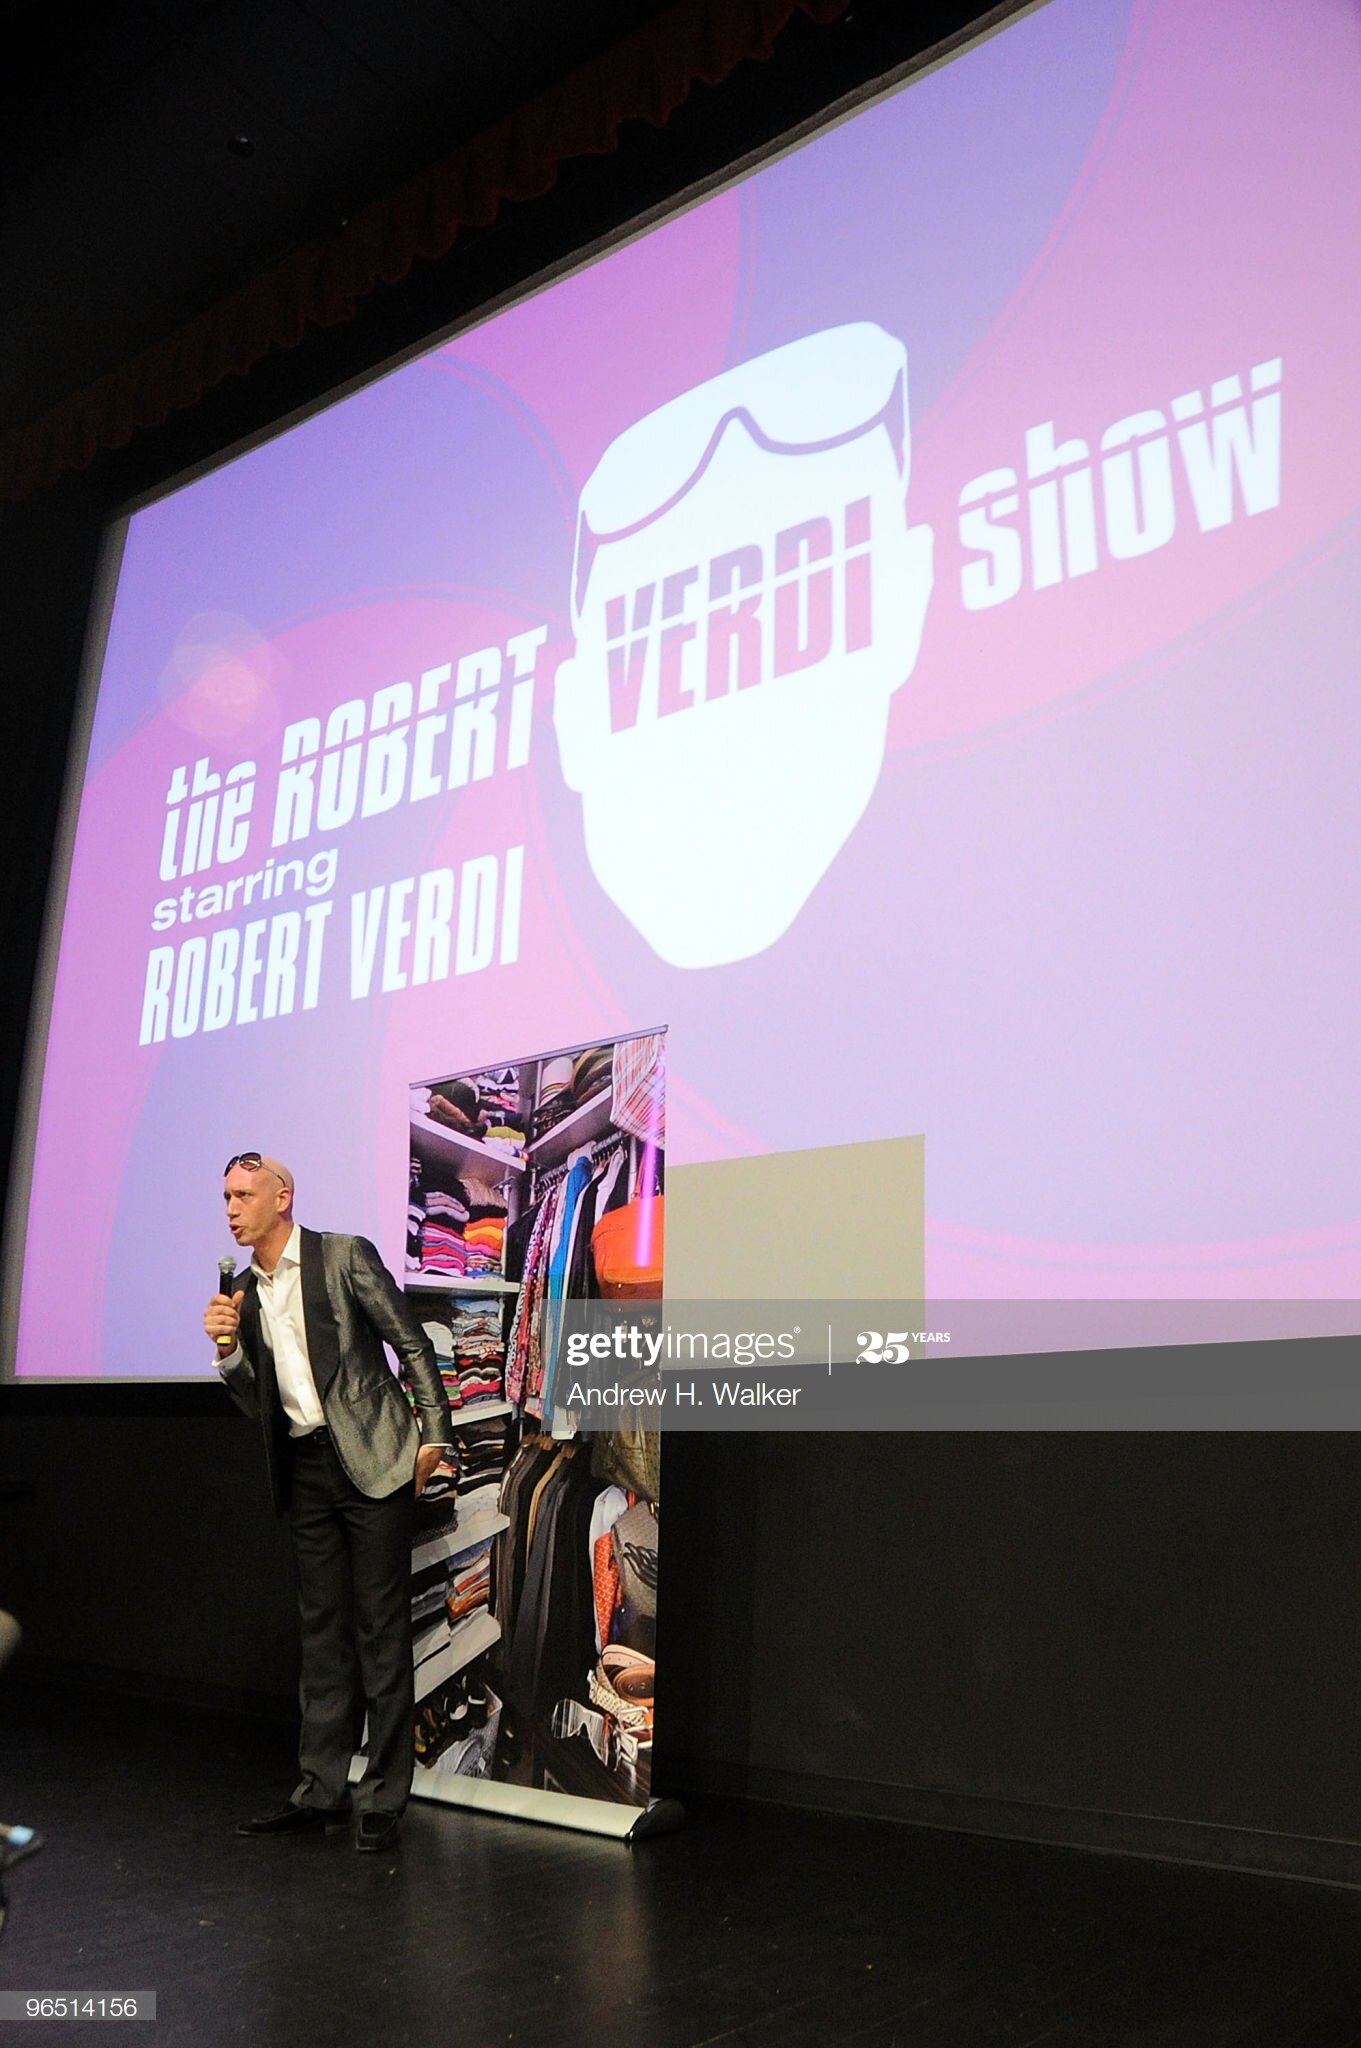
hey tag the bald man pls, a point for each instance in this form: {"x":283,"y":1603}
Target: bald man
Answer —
{"x":300,"y":1336}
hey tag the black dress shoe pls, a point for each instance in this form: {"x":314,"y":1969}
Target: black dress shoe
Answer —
{"x":293,"y":1820}
{"x":374,"y":1832}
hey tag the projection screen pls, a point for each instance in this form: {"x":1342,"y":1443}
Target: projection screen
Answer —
{"x":891,"y":625}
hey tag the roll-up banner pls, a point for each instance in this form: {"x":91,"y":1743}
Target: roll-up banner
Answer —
{"x":537,"y":1186}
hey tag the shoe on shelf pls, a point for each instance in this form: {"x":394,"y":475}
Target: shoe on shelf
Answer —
{"x":478,"y":1705}
{"x":621,"y":1686}
{"x":374,"y":1832}
{"x":427,"y":1734}
{"x":294,"y":1820}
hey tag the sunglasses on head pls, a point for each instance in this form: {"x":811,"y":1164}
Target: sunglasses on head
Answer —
{"x":252,"y":1162}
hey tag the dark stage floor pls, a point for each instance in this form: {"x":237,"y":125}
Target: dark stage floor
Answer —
{"x":754,"y":1925}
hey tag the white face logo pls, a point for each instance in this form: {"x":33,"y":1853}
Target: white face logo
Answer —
{"x":746,"y":598}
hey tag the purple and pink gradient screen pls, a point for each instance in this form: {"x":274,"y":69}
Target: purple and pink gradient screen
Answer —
{"x":1094,"y":931}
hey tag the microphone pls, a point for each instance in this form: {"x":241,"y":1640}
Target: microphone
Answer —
{"x":226,"y":1273}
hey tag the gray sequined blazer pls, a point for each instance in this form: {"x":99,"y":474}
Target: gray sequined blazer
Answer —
{"x":351,"y":1306}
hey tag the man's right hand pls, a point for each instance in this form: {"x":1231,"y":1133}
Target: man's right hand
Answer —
{"x":222,"y":1319}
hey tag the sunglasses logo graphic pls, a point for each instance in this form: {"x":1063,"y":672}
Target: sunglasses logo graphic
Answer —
{"x":747,"y":596}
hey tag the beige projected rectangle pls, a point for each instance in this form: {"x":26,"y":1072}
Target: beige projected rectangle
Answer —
{"x":838,"y":1223}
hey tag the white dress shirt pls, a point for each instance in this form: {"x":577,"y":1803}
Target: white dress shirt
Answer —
{"x":280,"y":1297}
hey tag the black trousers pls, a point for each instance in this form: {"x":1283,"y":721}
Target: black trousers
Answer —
{"x":354,"y":1600}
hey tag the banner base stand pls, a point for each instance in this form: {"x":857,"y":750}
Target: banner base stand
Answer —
{"x":658,"y":1817}
{"x":553,"y":1809}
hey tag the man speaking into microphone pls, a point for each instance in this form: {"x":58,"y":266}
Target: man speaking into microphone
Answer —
{"x":300,"y":1338}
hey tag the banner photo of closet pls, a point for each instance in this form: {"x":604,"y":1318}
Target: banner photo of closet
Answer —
{"x":534,"y":1573}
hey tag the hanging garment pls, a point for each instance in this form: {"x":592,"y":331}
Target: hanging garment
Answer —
{"x":610,"y":1503}
{"x":628,"y":1249}
{"x":550,"y":1340}
{"x":631,"y":1456}
{"x":634,"y":1541}
{"x":638,"y":1080}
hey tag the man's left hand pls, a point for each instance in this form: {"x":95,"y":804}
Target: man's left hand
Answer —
{"x":427,"y":1458}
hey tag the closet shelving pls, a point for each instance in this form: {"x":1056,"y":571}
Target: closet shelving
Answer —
{"x":472,"y":1636}
{"x":493,"y":1175}
{"x":469,"y":1157}
{"x":487,"y":1168}
{"x":455,"y":1541}
{"x":582,"y":1126}
{"x":478,"y":1411}
{"x":450,"y":1283}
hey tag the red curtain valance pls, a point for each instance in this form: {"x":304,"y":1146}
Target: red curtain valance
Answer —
{"x":645,"y":77}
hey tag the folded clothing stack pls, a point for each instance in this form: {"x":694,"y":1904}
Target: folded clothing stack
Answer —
{"x":429,"y":1593}
{"x":498,"y":1103}
{"x":482,"y":1459}
{"x":483,"y":1107}
{"x":455,"y":1103}
{"x":437,"y":1509}
{"x":483,"y":1235}
{"x":472,"y":1358}
{"x":441,"y":1335}
{"x":469,"y":1582}
{"x":447,"y":1209}
{"x":476,"y":1384}
{"x":461,"y":1233}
